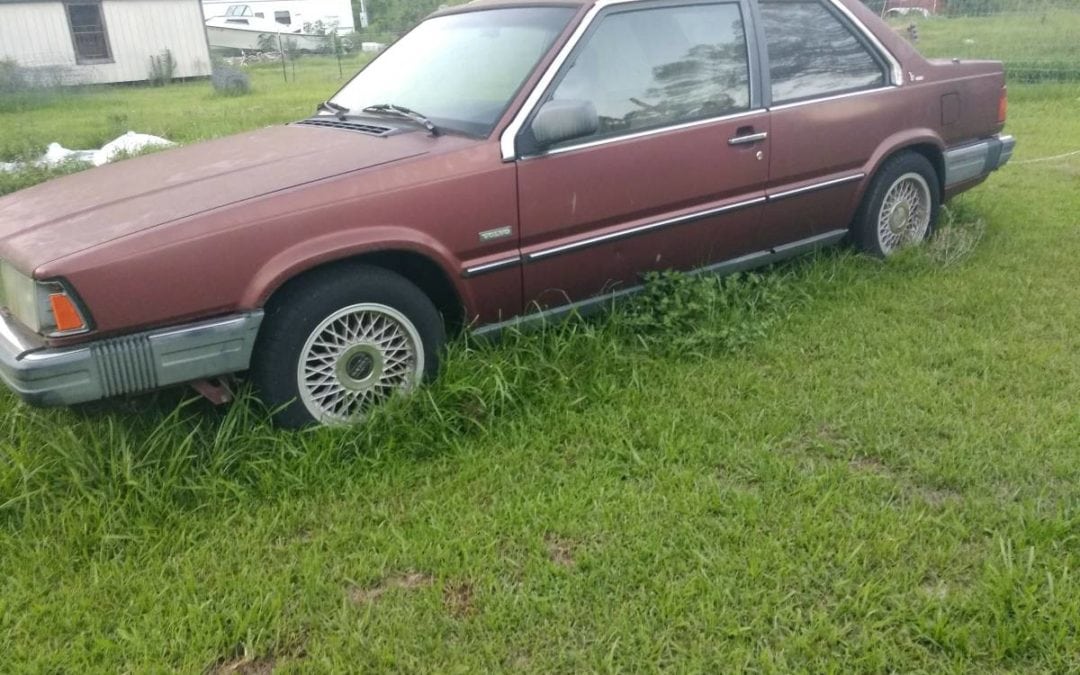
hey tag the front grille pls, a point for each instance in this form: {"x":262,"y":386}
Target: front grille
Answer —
{"x":335,"y":123}
{"x":126,"y":365}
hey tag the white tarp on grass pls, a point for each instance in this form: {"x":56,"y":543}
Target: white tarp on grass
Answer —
{"x":129,"y":144}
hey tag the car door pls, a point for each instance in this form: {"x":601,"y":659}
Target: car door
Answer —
{"x":673,"y":177}
{"x":827,"y":90}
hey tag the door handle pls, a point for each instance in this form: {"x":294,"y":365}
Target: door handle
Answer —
{"x":748,"y":138}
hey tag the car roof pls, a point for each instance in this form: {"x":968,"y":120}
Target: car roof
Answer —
{"x":493,"y":4}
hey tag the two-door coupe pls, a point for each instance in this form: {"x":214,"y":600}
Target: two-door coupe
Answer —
{"x":506,"y":160}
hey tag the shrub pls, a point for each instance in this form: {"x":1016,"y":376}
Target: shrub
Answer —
{"x":230,"y":81}
{"x":12,"y":77}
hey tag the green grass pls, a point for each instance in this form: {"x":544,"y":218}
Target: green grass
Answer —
{"x":1035,"y":45}
{"x":840,"y":466}
{"x":183,"y":112}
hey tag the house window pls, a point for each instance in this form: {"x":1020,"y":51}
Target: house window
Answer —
{"x":88,"y":33}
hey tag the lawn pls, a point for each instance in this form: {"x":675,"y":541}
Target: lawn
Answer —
{"x":183,"y":112}
{"x":840,"y":465}
{"x":1036,"y":44}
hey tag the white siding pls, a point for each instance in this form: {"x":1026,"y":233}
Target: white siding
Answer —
{"x":37,"y":35}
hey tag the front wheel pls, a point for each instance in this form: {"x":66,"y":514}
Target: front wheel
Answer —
{"x":900,"y":208}
{"x":341,"y":342}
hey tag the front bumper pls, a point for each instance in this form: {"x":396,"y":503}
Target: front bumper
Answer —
{"x":127,"y":364}
{"x":977,"y":160}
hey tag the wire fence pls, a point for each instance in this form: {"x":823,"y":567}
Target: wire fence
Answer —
{"x":1038,"y":40}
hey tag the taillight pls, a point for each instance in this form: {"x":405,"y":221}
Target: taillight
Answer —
{"x":1003,"y":105}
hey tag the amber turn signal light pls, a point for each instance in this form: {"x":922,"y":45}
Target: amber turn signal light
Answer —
{"x":1003,"y":105}
{"x":65,"y":313}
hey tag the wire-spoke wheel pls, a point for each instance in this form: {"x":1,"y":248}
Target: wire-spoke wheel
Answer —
{"x":338,"y":342}
{"x":357,"y":358}
{"x":900,"y":208}
{"x":904,"y":218}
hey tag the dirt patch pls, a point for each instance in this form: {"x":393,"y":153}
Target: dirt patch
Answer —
{"x":911,"y":489}
{"x":458,"y":599}
{"x":560,"y":551}
{"x":938,"y":496}
{"x":408,"y":581}
{"x":871,"y":465}
{"x":936,"y":590}
{"x":517,"y":662}
{"x":243,"y":661}
{"x":826,"y":442}
{"x":245,"y":666}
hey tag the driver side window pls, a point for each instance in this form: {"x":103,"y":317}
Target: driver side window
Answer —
{"x":651,"y":68}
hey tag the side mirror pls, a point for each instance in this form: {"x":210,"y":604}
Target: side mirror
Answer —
{"x":559,"y":121}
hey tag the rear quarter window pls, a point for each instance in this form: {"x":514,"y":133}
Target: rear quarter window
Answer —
{"x":813,"y":53}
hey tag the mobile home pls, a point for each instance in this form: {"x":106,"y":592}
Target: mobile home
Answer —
{"x":102,"y":41}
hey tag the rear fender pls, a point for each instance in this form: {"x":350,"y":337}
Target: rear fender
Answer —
{"x":897,"y":143}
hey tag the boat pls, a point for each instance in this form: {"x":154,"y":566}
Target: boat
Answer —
{"x":276,"y":25}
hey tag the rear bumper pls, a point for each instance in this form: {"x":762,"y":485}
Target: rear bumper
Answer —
{"x":125,"y":365}
{"x":976,"y":160}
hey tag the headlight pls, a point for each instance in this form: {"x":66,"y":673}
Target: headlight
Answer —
{"x":45,"y":307}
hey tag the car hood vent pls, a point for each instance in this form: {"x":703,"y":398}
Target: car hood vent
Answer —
{"x":335,"y":123}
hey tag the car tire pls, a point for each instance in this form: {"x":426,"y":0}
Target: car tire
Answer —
{"x":900,"y":208}
{"x":337,"y":343}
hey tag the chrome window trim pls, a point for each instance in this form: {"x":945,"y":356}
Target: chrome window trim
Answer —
{"x":648,"y":132}
{"x":834,"y":97}
{"x":775,"y":197}
{"x":896,"y":71}
{"x":639,"y":229}
{"x":506,"y":139}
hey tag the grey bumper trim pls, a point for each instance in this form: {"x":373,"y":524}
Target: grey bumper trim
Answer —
{"x":127,"y":364}
{"x":978,"y":159}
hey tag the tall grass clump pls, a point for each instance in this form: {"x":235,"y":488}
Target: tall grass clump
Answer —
{"x":162,"y":68}
{"x":174,"y":450}
{"x":31,"y":174}
{"x":959,"y":233}
{"x":707,"y":313}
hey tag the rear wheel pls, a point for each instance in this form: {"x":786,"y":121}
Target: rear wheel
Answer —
{"x":339,"y":343}
{"x":900,"y":208}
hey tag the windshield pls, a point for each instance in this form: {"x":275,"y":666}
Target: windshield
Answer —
{"x":459,"y":70}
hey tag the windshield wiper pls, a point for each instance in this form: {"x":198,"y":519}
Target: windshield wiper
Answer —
{"x":402,"y":111}
{"x":330,"y":106}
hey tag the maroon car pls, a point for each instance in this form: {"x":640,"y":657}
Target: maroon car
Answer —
{"x":504,"y":162}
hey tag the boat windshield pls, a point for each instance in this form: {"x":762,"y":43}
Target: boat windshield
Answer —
{"x":459,"y":70}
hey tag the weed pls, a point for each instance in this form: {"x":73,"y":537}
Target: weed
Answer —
{"x":162,"y":69}
{"x":679,"y":313}
{"x":958,"y":235}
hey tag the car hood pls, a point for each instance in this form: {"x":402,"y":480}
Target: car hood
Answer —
{"x":77,"y":212}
